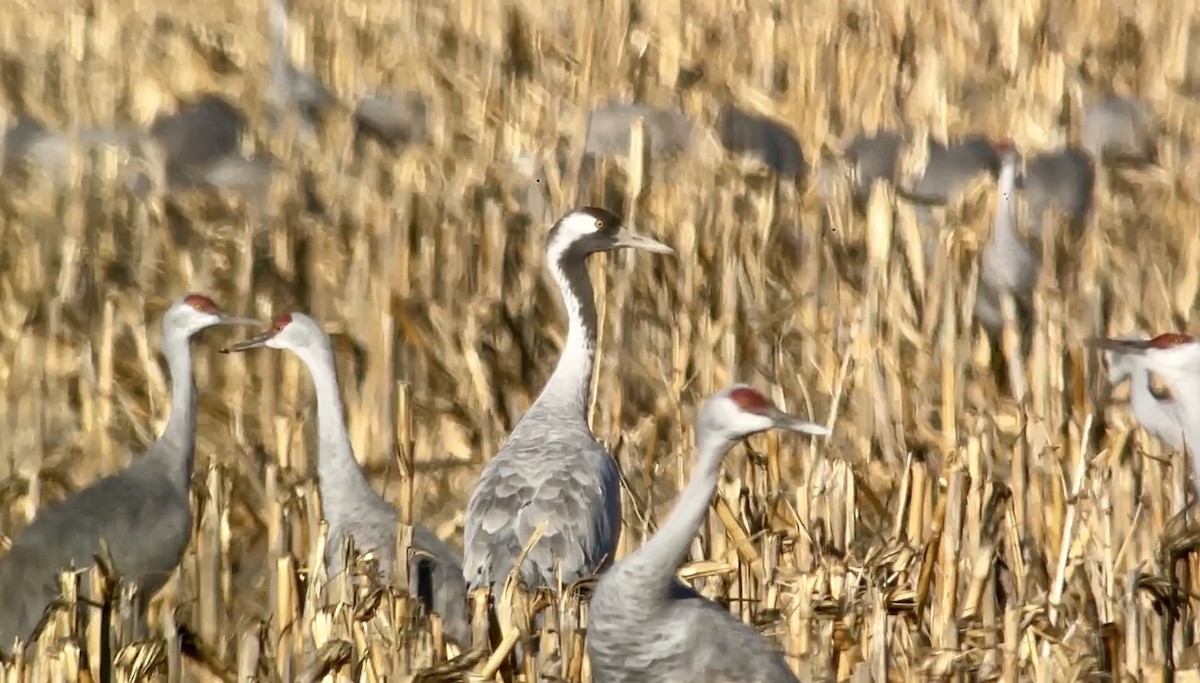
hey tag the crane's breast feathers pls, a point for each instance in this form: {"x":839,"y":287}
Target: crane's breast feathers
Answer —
{"x":576,"y":505}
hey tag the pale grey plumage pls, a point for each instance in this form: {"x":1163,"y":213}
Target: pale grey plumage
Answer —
{"x":1063,"y":180}
{"x":1175,"y":358}
{"x":1007,"y":263}
{"x":766,"y":139}
{"x":951,"y":167}
{"x":643,"y":623}
{"x":872,"y":157}
{"x":202,"y":146}
{"x":142,"y":512}
{"x":30,"y":146}
{"x":349,"y":504}
{"x":948,"y":168}
{"x":395,"y":120}
{"x":551,"y":469}
{"x":670,"y":131}
{"x":293,"y":94}
{"x":1120,"y":130}
{"x":1158,"y":416}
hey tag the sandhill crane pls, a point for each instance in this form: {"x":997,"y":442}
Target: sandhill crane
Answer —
{"x":29,"y":145}
{"x":551,"y":471}
{"x":293,"y":94}
{"x":670,"y":131}
{"x":1175,"y":358}
{"x":646,"y":625}
{"x":872,"y":157}
{"x":1157,"y":414}
{"x":1064,"y":179}
{"x":1119,"y":130}
{"x":1007,"y":264}
{"x":142,"y":512}
{"x":349,"y":504}
{"x":202,"y":145}
{"x":395,"y":120}
{"x":948,"y":169}
{"x":763,"y":138}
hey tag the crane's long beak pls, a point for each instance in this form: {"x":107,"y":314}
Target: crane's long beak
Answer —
{"x":1125,"y":346}
{"x":791,"y":422}
{"x":627,"y":238}
{"x":251,"y":343}
{"x":226,"y":319}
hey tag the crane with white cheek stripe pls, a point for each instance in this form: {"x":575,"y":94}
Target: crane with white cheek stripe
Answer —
{"x":551,"y":472}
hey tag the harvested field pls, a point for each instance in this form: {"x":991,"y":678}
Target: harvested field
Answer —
{"x":957,"y":524}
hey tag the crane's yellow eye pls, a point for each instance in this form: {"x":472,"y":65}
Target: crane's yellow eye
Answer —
{"x":599,"y":223}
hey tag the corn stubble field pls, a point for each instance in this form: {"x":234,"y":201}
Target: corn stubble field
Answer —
{"x":944,"y":530}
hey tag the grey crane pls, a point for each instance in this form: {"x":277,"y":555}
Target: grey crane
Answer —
{"x":1064,"y":179}
{"x":644,"y":624}
{"x":1154,"y":412}
{"x":1175,"y":357}
{"x":202,"y":146}
{"x":609,"y":125}
{"x":951,"y":167}
{"x":30,"y":145}
{"x":551,"y":471}
{"x":292,"y":93}
{"x":395,"y":120}
{"x":1119,"y":130}
{"x":349,"y":504}
{"x":142,"y":512}
{"x":1007,"y":263}
{"x":948,"y":169}
{"x":872,"y":157}
{"x":764,"y":138}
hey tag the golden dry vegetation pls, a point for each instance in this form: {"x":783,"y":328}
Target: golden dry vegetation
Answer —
{"x":946,"y":529}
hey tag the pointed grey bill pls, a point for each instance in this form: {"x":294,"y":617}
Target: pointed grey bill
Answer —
{"x":1129,"y":346}
{"x":627,"y":238}
{"x":795,"y":424}
{"x":251,"y":343}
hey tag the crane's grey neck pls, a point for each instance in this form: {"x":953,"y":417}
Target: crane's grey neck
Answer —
{"x":1004,"y":227}
{"x":653,"y":567}
{"x":568,"y":388}
{"x":176,"y":447}
{"x":341,"y":481}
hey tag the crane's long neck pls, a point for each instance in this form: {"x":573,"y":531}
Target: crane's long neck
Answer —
{"x":653,"y":566}
{"x":569,"y":386}
{"x":278,"y":24}
{"x":176,"y":447}
{"x":343,"y":485}
{"x":1004,"y":228}
{"x":1187,"y":400}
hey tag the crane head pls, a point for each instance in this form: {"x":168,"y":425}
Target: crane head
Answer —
{"x":590,"y":229}
{"x":288,"y":331}
{"x":1005,"y":149}
{"x":1174,"y":356}
{"x":739,"y":411}
{"x":195,"y":312}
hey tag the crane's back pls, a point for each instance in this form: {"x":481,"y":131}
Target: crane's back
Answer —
{"x":550,"y":472}
{"x":685,"y":638}
{"x":145,"y":522}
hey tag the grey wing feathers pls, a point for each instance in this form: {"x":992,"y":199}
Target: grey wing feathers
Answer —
{"x":145,"y":525}
{"x":25,"y":590}
{"x":577,"y":498}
